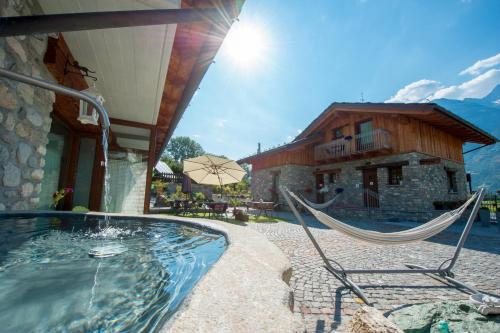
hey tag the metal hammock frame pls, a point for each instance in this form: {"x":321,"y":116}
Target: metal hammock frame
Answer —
{"x":444,"y":270}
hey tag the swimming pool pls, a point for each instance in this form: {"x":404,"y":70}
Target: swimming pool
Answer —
{"x":56,"y":275}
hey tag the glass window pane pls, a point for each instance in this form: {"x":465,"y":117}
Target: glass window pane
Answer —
{"x":52,"y":169}
{"x":84,"y":172}
{"x":127,"y":183}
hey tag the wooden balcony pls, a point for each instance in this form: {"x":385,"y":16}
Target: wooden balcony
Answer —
{"x":376,"y":140}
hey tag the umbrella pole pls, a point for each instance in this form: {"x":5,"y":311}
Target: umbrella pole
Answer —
{"x":221,"y":189}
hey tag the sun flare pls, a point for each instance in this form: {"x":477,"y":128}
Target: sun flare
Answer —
{"x":246,"y":45}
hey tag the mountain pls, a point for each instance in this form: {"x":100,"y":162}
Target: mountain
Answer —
{"x":484,"y":163}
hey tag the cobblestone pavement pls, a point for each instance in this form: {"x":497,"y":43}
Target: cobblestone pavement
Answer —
{"x":326,"y":304}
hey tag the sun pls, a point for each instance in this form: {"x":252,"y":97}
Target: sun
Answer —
{"x":246,"y":45}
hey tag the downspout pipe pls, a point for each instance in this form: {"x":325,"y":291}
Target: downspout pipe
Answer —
{"x":104,"y":119}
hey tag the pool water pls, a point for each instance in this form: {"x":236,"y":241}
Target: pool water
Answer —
{"x":52,"y":281}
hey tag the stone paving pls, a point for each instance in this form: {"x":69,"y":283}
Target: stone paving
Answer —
{"x":326,"y":304}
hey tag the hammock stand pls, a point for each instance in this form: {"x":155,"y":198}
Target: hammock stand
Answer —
{"x":444,"y":270}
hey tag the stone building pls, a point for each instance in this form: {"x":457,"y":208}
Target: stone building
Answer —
{"x":392,"y":158}
{"x":147,"y":75}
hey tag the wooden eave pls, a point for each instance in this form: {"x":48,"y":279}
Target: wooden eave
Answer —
{"x":294,"y":145}
{"x":194,"y":48}
{"x":431,"y":113}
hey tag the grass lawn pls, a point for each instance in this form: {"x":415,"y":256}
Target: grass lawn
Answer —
{"x":252,"y":218}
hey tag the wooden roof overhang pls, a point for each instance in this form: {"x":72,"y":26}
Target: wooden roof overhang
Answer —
{"x":431,"y":113}
{"x":294,"y":145}
{"x":195,"y":46}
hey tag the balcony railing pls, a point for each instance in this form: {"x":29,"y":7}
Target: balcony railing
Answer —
{"x":377,"y":139}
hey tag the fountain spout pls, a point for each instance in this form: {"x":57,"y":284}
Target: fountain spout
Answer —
{"x":59,"y":89}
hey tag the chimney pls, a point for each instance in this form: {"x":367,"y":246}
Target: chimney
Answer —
{"x":258,"y":148}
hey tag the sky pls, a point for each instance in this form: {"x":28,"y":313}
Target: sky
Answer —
{"x":284,"y":62}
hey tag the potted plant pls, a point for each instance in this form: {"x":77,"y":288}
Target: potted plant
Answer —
{"x":59,"y":195}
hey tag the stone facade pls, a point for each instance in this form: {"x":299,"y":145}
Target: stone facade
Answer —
{"x":24,"y":114}
{"x":421,"y":186}
{"x":295,"y":177}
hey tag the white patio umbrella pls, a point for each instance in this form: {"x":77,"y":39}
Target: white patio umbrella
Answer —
{"x":212,"y":170}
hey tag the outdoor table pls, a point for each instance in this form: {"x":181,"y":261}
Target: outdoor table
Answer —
{"x":212,"y":208}
{"x":261,"y":206}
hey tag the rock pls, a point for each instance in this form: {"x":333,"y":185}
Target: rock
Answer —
{"x":21,"y":205}
{"x":370,"y":320}
{"x":37,"y":174}
{"x":23,"y":152}
{"x":35,"y":201}
{"x":7,"y":100}
{"x":1,"y":117}
{"x":26,"y":92}
{"x":22,"y":130}
{"x":42,"y":162}
{"x":37,"y":136}
{"x":11,"y":175}
{"x":10,"y":121}
{"x":34,"y":117}
{"x":8,"y":137}
{"x":38,"y":188}
{"x":41,"y":150}
{"x":26,"y":190}
{"x":4,"y":153}
{"x":34,"y":162}
{"x":17,"y":47}
{"x":2,"y":207}
{"x":461,"y":316}
{"x":39,"y":45}
{"x":11,"y":194}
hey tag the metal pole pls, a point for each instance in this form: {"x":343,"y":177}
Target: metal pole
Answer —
{"x":467,"y":228}
{"x":24,"y":25}
{"x":58,"y":89}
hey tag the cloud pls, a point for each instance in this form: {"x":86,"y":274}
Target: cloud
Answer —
{"x":482,"y":64}
{"x":478,"y":87}
{"x":289,"y":138}
{"x":299,"y":131}
{"x":415,"y":92}
{"x":196,"y":136}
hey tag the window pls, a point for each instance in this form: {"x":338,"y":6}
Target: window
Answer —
{"x":333,"y":177}
{"x":452,"y":181}
{"x":395,"y":175}
{"x":337,"y":133}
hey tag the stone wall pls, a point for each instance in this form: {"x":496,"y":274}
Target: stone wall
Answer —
{"x":296,"y":177}
{"x":421,"y":186}
{"x":24,"y":114}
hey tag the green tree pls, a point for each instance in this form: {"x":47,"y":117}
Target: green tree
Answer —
{"x":183,"y":147}
{"x":173,"y":164}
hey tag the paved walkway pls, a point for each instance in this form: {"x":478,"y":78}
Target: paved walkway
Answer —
{"x":326,"y":304}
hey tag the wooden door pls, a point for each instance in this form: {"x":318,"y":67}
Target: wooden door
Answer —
{"x":320,"y":182}
{"x":370,"y":188}
{"x":364,"y":135}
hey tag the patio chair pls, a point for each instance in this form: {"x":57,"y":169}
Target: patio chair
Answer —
{"x":419,"y":233}
{"x":220,"y":209}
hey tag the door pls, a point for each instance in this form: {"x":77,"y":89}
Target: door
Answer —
{"x":320,"y":182}
{"x":370,"y":188}
{"x":364,"y":136}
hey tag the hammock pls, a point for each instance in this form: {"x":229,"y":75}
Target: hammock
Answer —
{"x":320,"y":205}
{"x":419,"y":233}
{"x":424,"y":231}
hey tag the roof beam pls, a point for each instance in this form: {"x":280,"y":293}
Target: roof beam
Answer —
{"x":38,"y":24}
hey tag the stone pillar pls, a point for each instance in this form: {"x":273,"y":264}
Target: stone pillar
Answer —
{"x":24,"y":114}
